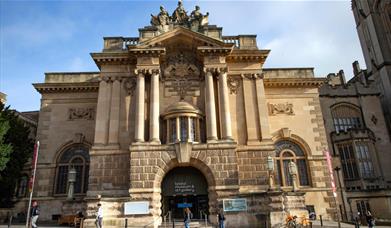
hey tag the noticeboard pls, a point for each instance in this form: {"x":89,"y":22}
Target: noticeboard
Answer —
{"x":136,"y":208}
{"x":239,"y":204}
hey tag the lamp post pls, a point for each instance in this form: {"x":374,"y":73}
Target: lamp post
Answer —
{"x":71,"y":180}
{"x":270,"y":168}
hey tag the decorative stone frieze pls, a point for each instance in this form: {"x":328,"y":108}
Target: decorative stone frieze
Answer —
{"x":81,"y":114}
{"x":281,"y":108}
{"x":233,"y":84}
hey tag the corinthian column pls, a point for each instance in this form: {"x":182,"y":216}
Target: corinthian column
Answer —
{"x":210,"y":107}
{"x":154,"y":106}
{"x":224,"y":102}
{"x":139,"y":123}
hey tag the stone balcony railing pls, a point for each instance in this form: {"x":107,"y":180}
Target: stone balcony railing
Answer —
{"x":121,"y":43}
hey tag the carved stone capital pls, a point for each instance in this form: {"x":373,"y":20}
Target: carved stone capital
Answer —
{"x":250,"y":76}
{"x":147,"y":70}
{"x":213,"y":70}
{"x":130,"y":85}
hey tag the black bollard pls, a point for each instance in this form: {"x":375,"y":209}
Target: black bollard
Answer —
{"x":321,"y":220}
{"x":126,"y":223}
{"x":173,"y":224}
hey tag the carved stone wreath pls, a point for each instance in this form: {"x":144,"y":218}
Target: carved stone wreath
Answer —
{"x":233,"y":85}
{"x":281,"y":108}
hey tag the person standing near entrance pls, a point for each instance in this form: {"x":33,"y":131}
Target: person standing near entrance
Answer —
{"x":34,"y":214}
{"x":99,"y":216}
{"x":188,"y":217}
{"x":221,"y":219}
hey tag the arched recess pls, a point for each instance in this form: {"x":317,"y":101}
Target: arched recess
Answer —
{"x":346,"y":116}
{"x":194,"y":163}
{"x":72,"y":155}
{"x":291,"y":147}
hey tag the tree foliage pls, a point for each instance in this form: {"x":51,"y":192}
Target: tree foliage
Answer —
{"x":17,"y":137}
{"x":5,"y":149}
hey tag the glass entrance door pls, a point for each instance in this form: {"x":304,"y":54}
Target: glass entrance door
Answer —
{"x":177,"y":204}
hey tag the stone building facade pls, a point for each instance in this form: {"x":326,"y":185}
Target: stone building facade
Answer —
{"x":183,"y":116}
{"x":373,"y":20}
{"x":360,"y":143}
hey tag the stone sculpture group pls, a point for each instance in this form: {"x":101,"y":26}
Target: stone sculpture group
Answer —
{"x":179,"y":17}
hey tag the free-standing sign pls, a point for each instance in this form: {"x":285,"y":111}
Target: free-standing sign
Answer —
{"x":239,"y":204}
{"x":136,"y":208}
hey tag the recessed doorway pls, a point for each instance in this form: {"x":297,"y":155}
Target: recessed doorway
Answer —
{"x":184,"y":187}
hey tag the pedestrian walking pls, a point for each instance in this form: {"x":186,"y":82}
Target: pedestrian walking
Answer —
{"x":357,"y":220}
{"x":188,"y":217}
{"x":99,"y":216}
{"x":221,"y":219}
{"x":370,"y":219}
{"x":34,"y":214}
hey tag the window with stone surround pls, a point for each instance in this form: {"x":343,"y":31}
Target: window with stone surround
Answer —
{"x":346,"y":116}
{"x":348,"y":161}
{"x":75,"y":156}
{"x":364,"y":160}
{"x":285,"y":152}
{"x":182,"y":123}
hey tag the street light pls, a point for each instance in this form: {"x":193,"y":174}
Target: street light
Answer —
{"x":71,"y":180}
{"x":270,"y":168}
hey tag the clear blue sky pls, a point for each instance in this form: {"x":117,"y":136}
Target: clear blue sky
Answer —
{"x":57,"y":36}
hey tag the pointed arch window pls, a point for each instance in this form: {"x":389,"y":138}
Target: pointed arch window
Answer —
{"x":76,"y":156}
{"x":287,"y":151}
{"x":346,"y":116}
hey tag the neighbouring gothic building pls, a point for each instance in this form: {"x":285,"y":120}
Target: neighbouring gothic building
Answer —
{"x":182,"y":116}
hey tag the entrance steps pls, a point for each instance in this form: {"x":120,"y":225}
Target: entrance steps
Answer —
{"x":195,"y":223}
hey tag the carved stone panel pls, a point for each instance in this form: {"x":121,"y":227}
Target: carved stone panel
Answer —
{"x":130,"y":85}
{"x":233,"y":84}
{"x":81,"y":114}
{"x":181,"y":87}
{"x":281,"y":108}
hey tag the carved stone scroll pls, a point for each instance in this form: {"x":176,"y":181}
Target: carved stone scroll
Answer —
{"x":81,"y":114}
{"x":281,"y":108}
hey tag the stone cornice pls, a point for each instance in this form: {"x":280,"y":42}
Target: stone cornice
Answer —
{"x":66,"y":87}
{"x":293,"y":82}
{"x":205,"y":50}
{"x":238,"y":55}
{"x":147,"y":51}
{"x":112,"y":58}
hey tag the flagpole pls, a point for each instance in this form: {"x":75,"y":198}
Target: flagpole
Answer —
{"x":35,"y":160}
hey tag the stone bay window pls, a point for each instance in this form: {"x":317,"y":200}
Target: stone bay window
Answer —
{"x":182,"y":121}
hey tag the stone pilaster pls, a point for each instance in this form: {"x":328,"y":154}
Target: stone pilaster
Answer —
{"x":262,"y":108}
{"x":114,"y":112}
{"x":224,"y":102}
{"x":210,"y":107}
{"x":250,"y":108}
{"x":102,"y":114}
{"x":154,"y":107}
{"x":140,"y":103}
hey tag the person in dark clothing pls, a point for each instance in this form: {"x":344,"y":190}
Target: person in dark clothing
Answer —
{"x":221,"y":219}
{"x":357,"y":220}
{"x":370,"y":219}
{"x":34,"y":214}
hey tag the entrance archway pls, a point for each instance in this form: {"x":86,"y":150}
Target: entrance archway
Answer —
{"x":184,"y":187}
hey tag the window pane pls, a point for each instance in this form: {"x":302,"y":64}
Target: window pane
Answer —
{"x":78,"y":183}
{"x":62,"y":178}
{"x":278,"y":172}
{"x":86,"y":175}
{"x":192,"y":129}
{"x":303,"y":175}
{"x":172,"y":130}
{"x":183,"y":124}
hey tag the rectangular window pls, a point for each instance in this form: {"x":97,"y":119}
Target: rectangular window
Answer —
{"x":346,"y":123}
{"x":288,"y":181}
{"x":192,"y":129}
{"x":62,"y":180}
{"x":349,"y":166}
{"x":184,"y":125}
{"x":364,"y":160}
{"x":278,"y":174}
{"x":172,"y":130}
{"x":363,"y":207}
{"x":302,"y":168}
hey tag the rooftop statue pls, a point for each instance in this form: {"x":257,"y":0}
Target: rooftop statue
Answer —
{"x":163,"y":22}
{"x":180,"y":15}
{"x":161,"y":19}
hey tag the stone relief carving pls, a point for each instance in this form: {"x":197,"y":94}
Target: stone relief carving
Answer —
{"x":130,"y":85}
{"x":281,"y":108}
{"x":233,"y":84}
{"x":81,"y":113}
{"x":163,"y":22}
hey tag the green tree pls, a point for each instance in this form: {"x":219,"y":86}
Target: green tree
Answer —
{"x":5,"y":149}
{"x":17,"y":136}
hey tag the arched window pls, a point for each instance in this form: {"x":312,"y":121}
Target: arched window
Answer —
{"x":182,"y":123}
{"x":287,"y":151}
{"x":77,"y":157}
{"x":346,"y":116}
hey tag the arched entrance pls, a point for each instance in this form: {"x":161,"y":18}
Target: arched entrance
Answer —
{"x":184,"y":187}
